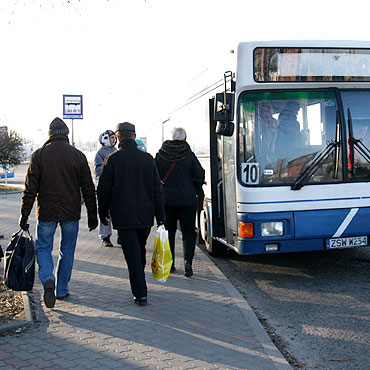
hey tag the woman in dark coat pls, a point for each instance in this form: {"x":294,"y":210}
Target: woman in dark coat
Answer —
{"x":182,"y":177}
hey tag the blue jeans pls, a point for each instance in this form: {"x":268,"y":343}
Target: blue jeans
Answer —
{"x":44,"y":246}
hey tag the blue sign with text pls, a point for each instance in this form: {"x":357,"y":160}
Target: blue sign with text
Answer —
{"x":72,"y":107}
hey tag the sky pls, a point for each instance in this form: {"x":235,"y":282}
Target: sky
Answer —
{"x":135,"y":60}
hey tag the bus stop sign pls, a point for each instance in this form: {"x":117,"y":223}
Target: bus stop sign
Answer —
{"x":72,"y":107}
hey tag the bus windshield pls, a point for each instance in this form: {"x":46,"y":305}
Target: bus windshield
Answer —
{"x":282,"y":133}
{"x":296,"y":136}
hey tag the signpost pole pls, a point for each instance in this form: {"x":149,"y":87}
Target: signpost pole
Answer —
{"x":73,"y":138}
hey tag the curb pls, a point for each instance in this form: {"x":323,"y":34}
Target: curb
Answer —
{"x":271,"y":351}
{"x":23,"y":323}
{"x":11,"y":192}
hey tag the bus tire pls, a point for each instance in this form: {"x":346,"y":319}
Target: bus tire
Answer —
{"x":213,"y":246}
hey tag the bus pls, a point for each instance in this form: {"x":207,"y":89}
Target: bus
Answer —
{"x":284,"y":139}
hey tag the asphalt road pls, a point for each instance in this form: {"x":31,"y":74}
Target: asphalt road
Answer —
{"x":315,"y":305}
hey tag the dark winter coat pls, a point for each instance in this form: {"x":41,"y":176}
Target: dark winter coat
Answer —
{"x":186,"y":178}
{"x":130,"y":188}
{"x":56,"y":176}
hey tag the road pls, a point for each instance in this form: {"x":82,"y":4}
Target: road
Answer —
{"x":315,"y":305}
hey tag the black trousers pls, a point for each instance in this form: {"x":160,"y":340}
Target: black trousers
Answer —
{"x":186,"y":216}
{"x":133,"y":243}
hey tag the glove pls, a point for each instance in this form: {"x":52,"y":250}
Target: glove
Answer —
{"x":92,"y":224}
{"x":23,"y":222}
{"x":104,"y":217}
{"x":104,"y":220}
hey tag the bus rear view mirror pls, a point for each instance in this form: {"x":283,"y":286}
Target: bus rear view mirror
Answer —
{"x":222,"y":111}
{"x":225,"y":128}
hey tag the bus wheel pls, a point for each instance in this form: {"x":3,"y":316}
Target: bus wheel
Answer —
{"x":214,"y":247}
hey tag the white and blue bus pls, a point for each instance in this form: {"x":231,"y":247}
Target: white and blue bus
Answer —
{"x":285,"y":142}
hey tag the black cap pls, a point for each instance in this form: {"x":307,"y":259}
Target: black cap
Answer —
{"x":58,"y":127}
{"x":125,"y":126}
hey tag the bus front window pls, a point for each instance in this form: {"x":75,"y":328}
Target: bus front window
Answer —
{"x":281,"y":133}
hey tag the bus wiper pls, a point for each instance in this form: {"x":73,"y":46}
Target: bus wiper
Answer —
{"x":305,"y":176}
{"x":362,"y":148}
{"x":357,"y":144}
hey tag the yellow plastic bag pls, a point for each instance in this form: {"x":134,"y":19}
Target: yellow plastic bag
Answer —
{"x":162,"y":257}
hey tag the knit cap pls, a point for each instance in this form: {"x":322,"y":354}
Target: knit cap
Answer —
{"x":58,"y":127}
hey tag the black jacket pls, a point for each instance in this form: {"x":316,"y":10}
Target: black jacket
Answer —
{"x":57,"y":175}
{"x":186,"y":178}
{"x":130,"y":188}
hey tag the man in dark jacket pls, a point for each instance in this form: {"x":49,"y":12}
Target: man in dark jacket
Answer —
{"x":182,"y":176}
{"x":57,"y":175}
{"x":130,"y":191}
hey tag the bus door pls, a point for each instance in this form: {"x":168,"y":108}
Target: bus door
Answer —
{"x":229,"y":183}
{"x":223,"y":181}
{"x":216,"y":167}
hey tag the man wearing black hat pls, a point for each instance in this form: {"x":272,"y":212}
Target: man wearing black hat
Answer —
{"x":130,"y":191}
{"x":57,"y":175}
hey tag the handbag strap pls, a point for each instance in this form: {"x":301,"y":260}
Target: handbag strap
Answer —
{"x":173,"y":164}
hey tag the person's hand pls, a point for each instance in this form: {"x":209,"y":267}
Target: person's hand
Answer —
{"x":23,"y":222}
{"x":104,"y":219}
{"x":92,"y":224}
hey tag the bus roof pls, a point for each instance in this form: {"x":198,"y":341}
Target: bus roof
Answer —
{"x":306,"y":43}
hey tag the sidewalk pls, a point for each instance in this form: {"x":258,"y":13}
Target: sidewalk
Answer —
{"x":197,"y":323}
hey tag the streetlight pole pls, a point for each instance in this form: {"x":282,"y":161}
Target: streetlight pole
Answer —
{"x":163,"y":127}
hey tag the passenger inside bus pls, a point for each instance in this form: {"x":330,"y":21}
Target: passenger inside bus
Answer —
{"x":288,"y":132}
{"x":268,"y":128}
{"x":360,"y":132}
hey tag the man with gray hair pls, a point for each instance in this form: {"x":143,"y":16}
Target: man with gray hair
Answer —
{"x":182,"y":178}
{"x":178,"y":133}
{"x":130,"y":191}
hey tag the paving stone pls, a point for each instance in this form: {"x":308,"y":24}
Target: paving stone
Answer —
{"x":188,"y":323}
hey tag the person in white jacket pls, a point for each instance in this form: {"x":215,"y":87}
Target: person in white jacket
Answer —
{"x":108,"y":140}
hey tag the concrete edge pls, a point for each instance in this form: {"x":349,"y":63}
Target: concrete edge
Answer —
{"x":269,"y":347}
{"x":11,"y":192}
{"x":22,"y":323}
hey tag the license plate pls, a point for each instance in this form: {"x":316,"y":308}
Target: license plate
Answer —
{"x":356,"y":241}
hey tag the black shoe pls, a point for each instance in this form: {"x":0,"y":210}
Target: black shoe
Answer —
{"x":142,"y":301}
{"x":173,"y":268}
{"x":118,"y":240}
{"x":49,"y":293}
{"x":106,"y":242}
{"x":188,"y":269}
{"x":62,"y":296}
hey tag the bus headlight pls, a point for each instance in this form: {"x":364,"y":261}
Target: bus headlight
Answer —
{"x":274,"y":228}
